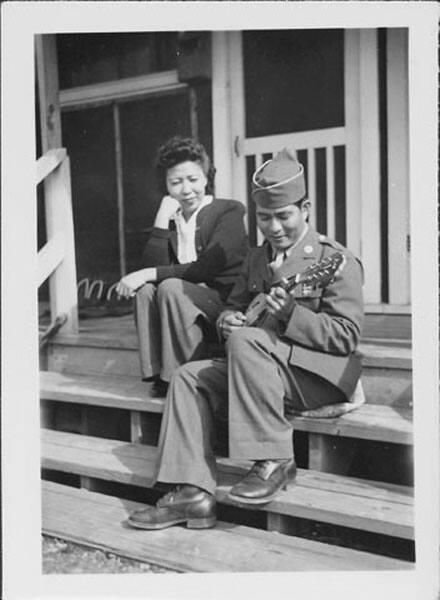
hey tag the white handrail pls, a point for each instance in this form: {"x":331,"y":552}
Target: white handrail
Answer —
{"x":56,"y":260}
{"x":50,"y":256}
{"x":47,"y":163}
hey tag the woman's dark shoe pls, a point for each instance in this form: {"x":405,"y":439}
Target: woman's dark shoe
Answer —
{"x":159,"y":388}
{"x":187,"y":504}
{"x":263,"y":482}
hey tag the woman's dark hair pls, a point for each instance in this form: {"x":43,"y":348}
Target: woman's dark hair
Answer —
{"x":180,"y":149}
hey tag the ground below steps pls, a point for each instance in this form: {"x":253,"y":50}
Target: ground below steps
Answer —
{"x":100,"y":521}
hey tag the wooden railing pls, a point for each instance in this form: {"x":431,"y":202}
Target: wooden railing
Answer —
{"x":56,"y":260}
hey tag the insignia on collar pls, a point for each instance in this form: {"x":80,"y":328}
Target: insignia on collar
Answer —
{"x":308,"y":249}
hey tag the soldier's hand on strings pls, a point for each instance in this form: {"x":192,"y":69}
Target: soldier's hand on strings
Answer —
{"x":280,"y":303}
{"x":229,"y":320}
{"x":128,"y":285}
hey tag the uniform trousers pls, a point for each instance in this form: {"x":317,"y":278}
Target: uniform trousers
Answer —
{"x":172,"y":322}
{"x":251,"y":389}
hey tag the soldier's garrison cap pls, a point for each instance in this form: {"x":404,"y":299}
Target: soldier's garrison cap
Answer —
{"x":279,"y":181}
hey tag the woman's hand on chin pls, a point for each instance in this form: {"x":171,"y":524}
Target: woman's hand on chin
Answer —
{"x":130,"y":283}
{"x":168,"y":207}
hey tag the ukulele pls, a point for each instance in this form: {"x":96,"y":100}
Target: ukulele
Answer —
{"x":318,"y":275}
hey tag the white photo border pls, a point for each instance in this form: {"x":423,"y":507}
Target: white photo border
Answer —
{"x":20,"y":423}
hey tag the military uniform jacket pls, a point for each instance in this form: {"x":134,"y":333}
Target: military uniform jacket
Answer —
{"x":325,"y":325}
{"x":221,"y":246}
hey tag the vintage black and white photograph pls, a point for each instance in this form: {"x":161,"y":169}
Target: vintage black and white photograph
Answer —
{"x":228,"y":255}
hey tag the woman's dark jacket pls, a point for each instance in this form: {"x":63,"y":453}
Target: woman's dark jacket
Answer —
{"x":221,"y":246}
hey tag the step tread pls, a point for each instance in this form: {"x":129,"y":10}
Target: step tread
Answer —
{"x":371,"y":421}
{"x":100,"y":522}
{"x":360,"y":504}
{"x":384,"y":355}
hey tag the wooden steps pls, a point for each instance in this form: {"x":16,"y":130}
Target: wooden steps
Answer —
{"x":100,"y":522}
{"x":391,"y":424}
{"x":93,"y":386}
{"x":106,"y":349}
{"x":369,"y":506}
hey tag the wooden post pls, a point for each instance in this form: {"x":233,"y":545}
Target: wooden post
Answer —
{"x":59,"y":220}
{"x":58,"y":196}
{"x":47,"y":71}
{"x":136,"y":427}
{"x":120,"y":190}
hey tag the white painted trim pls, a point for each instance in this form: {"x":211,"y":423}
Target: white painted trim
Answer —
{"x":221,"y":115}
{"x":330,"y":167}
{"x":129,"y":87}
{"x":49,"y":162}
{"x":301,"y":140}
{"x":311,"y":192}
{"x":369,"y":160}
{"x":352,"y":150}
{"x":398,"y":166}
{"x":59,"y":218}
{"x":388,"y":309}
{"x":236,"y":103}
{"x":50,"y":256}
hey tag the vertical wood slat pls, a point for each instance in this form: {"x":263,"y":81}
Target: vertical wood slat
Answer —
{"x":311,"y":164}
{"x":222,"y":134}
{"x":120,"y":189}
{"x":237,"y":109}
{"x":353,"y":132}
{"x":135,"y":427}
{"x":331,"y":216}
{"x":48,"y":92}
{"x":398,"y":166}
{"x":259,"y":160}
{"x":369,"y":172}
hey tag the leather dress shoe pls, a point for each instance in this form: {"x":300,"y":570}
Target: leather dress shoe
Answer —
{"x":263,"y":482}
{"x":186,"y":504}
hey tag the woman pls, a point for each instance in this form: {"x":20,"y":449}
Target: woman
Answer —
{"x":191,"y":261}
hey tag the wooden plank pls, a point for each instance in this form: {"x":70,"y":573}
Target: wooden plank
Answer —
{"x":100,"y":522}
{"x":48,"y":91}
{"x":114,"y":362}
{"x":50,"y":256}
{"x":221,"y":116}
{"x":372,"y":421}
{"x":398,"y":166}
{"x":396,"y":357}
{"x":121,"y":335}
{"x":49,"y":162}
{"x":94,"y":390}
{"x":369,"y":172}
{"x":121,"y":89}
{"x":317,"y":138}
{"x":360,"y":504}
{"x":119,"y":189}
{"x":353,"y":125}
{"x":59,"y":218}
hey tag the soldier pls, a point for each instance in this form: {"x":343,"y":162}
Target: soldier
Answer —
{"x":301,"y":358}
